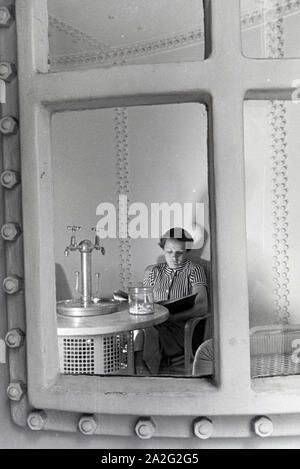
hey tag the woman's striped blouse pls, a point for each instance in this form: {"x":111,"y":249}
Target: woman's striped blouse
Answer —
{"x":169,"y":284}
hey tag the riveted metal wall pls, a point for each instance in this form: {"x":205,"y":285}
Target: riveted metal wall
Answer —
{"x":190,"y":426}
{"x":11,"y":223}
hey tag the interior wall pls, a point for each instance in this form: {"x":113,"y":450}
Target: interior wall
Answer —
{"x":272,"y":169}
{"x":272,"y":174}
{"x":262,"y":22}
{"x":130,"y":33}
{"x":151,"y":154}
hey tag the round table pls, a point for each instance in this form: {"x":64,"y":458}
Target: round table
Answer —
{"x":113,"y":323}
{"x":102,"y":344}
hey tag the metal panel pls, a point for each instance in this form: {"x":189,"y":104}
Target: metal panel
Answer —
{"x":15,"y":306}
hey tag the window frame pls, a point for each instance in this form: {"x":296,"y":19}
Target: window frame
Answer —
{"x":42,"y":93}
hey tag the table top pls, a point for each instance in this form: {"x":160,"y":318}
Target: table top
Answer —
{"x":120,"y":321}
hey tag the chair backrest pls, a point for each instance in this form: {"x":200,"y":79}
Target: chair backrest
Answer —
{"x":203,"y":364}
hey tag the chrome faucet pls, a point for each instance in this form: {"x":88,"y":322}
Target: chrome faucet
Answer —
{"x":73,"y":246}
{"x":85,"y":248}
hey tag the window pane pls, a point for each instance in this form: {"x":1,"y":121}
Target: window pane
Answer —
{"x":270,"y":28}
{"x":114,"y":32}
{"x":132,"y":173}
{"x":273,"y":223}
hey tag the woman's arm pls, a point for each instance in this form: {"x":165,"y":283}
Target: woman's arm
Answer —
{"x":199,"y":308}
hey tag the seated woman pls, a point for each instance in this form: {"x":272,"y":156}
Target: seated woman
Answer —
{"x":175,"y":278}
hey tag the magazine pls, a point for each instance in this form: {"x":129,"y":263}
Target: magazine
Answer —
{"x":179,"y":304}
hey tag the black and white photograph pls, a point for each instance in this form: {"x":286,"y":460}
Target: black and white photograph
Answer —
{"x":149,"y":211}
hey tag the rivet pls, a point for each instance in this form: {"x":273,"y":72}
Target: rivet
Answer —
{"x":6,"y":17}
{"x":12,"y":284}
{"x":10,"y":231}
{"x":203,"y":428}
{"x":9,"y":179}
{"x":145,"y":428}
{"x":87,"y":425}
{"x":16,"y":390}
{"x":7,"y":71}
{"x":8,"y":125}
{"x":14,"y":338}
{"x":263,"y":426}
{"x":36,"y":420}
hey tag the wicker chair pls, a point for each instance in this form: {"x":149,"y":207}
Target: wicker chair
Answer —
{"x":273,"y":351}
{"x":187,"y":359}
{"x":190,"y":344}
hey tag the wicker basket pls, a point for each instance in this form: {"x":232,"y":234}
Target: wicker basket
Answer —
{"x":273,"y":352}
